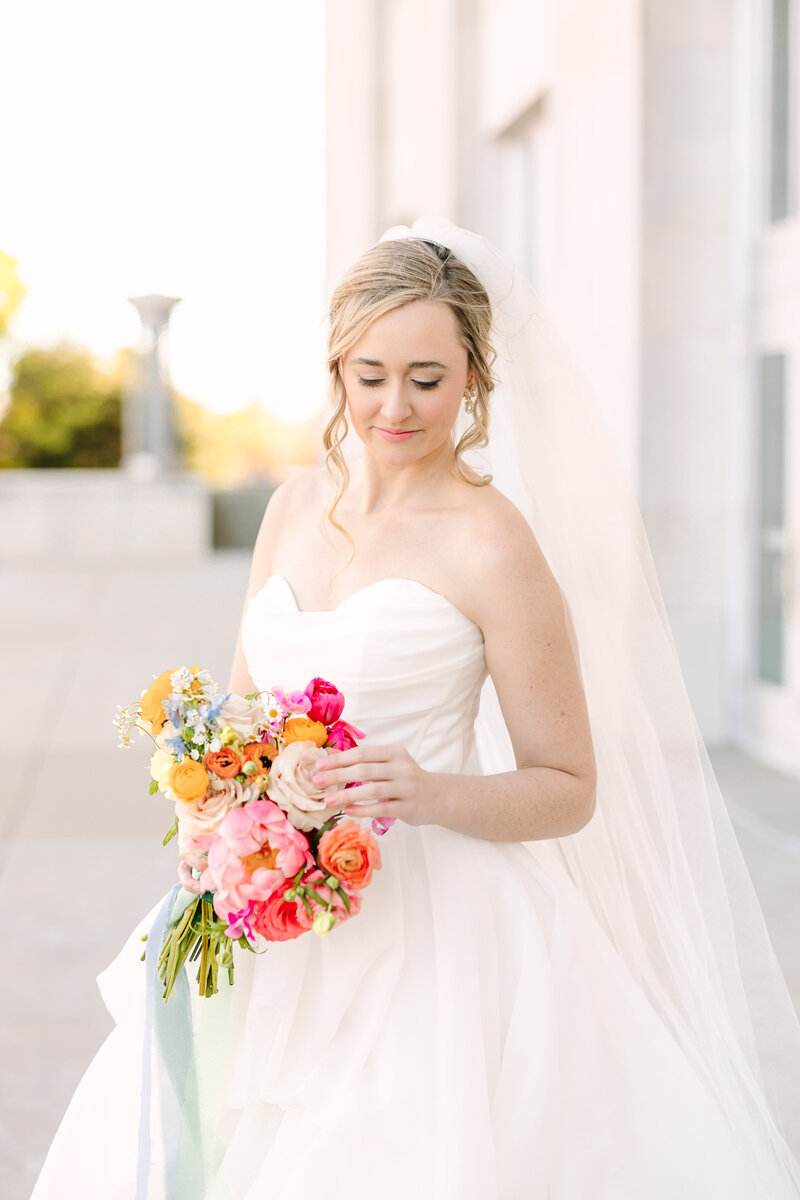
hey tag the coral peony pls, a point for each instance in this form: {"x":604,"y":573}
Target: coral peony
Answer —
{"x":327,"y":701}
{"x":350,"y":853}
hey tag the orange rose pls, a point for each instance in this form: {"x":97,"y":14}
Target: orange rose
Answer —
{"x":300,"y":729}
{"x":261,"y":753}
{"x":188,"y":780}
{"x":350,"y":853}
{"x":225,"y":762}
{"x":151,"y":701}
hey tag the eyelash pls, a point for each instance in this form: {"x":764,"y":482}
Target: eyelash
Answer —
{"x":425,"y":385}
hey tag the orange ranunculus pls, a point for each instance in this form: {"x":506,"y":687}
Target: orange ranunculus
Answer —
{"x":261,"y":753}
{"x":350,"y":853}
{"x":188,"y":780}
{"x":300,"y":729}
{"x":225,"y":762}
{"x":150,"y":702}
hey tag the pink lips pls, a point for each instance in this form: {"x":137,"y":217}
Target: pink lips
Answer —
{"x":396,"y":437}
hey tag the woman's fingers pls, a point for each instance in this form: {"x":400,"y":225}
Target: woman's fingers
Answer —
{"x":188,"y":880}
{"x":381,"y":790}
{"x":353,"y":774}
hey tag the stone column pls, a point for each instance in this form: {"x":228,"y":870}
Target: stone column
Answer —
{"x":149,"y":443}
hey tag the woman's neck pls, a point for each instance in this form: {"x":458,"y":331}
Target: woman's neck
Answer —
{"x":375,"y":487}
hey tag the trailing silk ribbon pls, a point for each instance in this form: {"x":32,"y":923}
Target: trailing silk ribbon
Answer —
{"x":184,"y":1058}
{"x":169,"y":1085}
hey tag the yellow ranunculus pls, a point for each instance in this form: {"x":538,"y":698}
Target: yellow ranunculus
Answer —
{"x":150,"y":702}
{"x":161,"y":763}
{"x":301,"y":729}
{"x":188,"y":780}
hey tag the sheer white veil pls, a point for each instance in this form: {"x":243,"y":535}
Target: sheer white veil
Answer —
{"x":659,"y":862}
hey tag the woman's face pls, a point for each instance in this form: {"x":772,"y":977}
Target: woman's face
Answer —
{"x":407,"y":372}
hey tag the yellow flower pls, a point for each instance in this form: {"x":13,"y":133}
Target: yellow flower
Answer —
{"x":301,"y":729}
{"x":188,"y":780}
{"x":161,"y":763}
{"x":151,"y":702}
{"x":229,"y":737}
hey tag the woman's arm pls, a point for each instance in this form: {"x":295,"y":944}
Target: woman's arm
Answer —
{"x":530,"y":658}
{"x":261,"y":564}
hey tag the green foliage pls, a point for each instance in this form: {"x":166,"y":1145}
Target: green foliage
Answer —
{"x":65,"y":411}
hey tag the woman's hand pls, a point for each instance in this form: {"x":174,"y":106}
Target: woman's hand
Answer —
{"x":188,"y":880}
{"x":393,"y":784}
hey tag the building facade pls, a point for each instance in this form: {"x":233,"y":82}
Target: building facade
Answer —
{"x":639,"y":159}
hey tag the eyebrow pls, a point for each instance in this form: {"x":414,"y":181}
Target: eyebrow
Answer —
{"x":413,"y":366}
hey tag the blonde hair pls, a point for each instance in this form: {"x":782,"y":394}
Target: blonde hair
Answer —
{"x":387,"y":276}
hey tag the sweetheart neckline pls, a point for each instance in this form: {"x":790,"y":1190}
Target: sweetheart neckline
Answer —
{"x":324,"y":612}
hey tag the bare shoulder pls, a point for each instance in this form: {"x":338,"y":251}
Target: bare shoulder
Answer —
{"x":286,"y":504}
{"x":505,"y":556}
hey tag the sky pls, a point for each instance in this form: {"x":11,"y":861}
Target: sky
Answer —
{"x":176,"y":147}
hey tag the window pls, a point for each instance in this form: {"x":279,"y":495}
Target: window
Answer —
{"x":782,"y":104}
{"x":773,"y":542}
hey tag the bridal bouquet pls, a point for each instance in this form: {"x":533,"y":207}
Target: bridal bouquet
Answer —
{"x":273,"y":860}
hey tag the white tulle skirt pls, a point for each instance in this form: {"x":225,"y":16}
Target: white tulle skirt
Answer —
{"x":471,"y":1035}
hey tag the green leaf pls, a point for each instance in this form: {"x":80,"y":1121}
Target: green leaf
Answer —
{"x":171,"y":832}
{"x":153,"y":786}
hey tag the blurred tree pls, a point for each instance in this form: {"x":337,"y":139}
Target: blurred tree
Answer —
{"x":244,"y":447}
{"x":12,"y":290}
{"x":64,"y":411}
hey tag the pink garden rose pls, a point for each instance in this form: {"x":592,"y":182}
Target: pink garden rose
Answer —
{"x":205,"y":815}
{"x":327,"y":701}
{"x":291,"y":788}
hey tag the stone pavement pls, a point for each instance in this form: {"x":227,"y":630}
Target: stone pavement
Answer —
{"x":75,"y":814}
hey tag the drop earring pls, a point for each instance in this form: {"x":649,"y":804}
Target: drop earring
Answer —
{"x":470,"y":394}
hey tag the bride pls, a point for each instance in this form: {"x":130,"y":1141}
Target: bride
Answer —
{"x":559,"y":986}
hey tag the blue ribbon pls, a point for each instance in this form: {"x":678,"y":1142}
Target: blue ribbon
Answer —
{"x":167,"y":1061}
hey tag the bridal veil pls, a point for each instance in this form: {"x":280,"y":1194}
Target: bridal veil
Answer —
{"x":659,"y":862}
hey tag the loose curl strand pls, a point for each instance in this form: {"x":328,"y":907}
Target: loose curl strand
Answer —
{"x":387,"y":276}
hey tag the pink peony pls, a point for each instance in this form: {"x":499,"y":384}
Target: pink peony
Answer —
{"x":343,"y":736}
{"x":256,"y":849}
{"x":278,"y":919}
{"x":194,"y":850}
{"x":327,"y":701}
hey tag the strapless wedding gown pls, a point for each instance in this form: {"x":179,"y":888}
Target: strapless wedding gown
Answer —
{"x":471,"y":1035}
